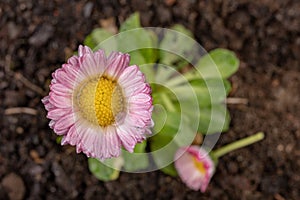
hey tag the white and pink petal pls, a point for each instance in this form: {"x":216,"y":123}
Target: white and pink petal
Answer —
{"x":60,"y":101}
{"x":116,"y":64}
{"x":61,"y":126}
{"x":127,"y":137}
{"x":83,"y":50}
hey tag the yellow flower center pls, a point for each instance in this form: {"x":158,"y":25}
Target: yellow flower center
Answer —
{"x":199,"y":165}
{"x":100,"y":100}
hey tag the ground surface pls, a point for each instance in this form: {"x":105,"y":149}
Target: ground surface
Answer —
{"x":37,"y":36}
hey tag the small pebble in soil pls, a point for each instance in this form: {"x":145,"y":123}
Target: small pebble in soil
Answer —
{"x":87,"y":9}
{"x":280,"y":147}
{"x":13,"y":30}
{"x":170,"y":2}
{"x":35,"y":156}
{"x":14,"y":186}
{"x":19,"y":130}
{"x":42,"y":35}
{"x":233,"y":168}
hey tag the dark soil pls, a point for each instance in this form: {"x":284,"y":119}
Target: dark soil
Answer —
{"x":37,"y":36}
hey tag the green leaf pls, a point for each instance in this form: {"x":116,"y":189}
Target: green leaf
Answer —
{"x":158,"y":142}
{"x":159,"y":116}
{"x":214,"y":119}
{"x":175,"y":133}
{"x":162,"y":139}
{"x":136,"y":39}
{"x":218,"y":63}
{"x":165,"y":74}
{"x":138,"y":42}
{"x":102,"y":171}
{"x":131,"y":22}
{"x":58,"y":139}
{"x":149,"y":72}
{"x":140,"y":147}
{"x":210,"y":91}
{"x":170,"y":170}
{"x":136,"y":58}
{"x":171,"y":125}
{"x":182,"y":29}
{"x":176,"y":47}
{"x":137,"y":160}
{"x":99,"y":35}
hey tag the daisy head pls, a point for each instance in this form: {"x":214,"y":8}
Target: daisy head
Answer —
{"x":99,"y":103}
{"x":194,"y":167}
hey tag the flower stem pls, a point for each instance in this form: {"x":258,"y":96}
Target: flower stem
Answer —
{"x":168,"y":103}
{"x":238,"y":144}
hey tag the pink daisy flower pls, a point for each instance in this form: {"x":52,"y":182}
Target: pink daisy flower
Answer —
{"x":194,"y":167}
{"x":99,"y":103}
